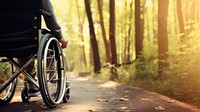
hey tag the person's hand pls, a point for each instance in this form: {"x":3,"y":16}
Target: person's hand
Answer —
{"x":63,"y":42}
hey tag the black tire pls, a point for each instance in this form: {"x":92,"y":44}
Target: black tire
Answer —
{"x":8,"y":93}
{"x":67,"y":95}
{"x":50,"y":46}
{"x":24,"y":95}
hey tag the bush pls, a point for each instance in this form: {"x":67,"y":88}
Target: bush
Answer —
{"x":182,"y":78}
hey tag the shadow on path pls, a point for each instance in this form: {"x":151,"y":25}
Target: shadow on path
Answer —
{"x":92,"y":95}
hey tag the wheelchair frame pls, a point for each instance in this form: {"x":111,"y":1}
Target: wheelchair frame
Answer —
{"x":48,"y":50}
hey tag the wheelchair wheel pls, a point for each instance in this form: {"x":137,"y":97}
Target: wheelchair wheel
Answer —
{"x":67,"y":95}
{"x":24,"y":95}
{"x":7,"y":71}
{"x":51,"y":71}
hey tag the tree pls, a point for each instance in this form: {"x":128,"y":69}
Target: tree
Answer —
{"x":80,"y":24}
{"x":129,"y":32}
{"x":180,"y":20}
{"x":95,"y":50}
{"x":127,"y":28}
{"x":162,"y":36}
{"x":106,"y":43}
{"x":138,"y":30}
{"x":114,"y":75}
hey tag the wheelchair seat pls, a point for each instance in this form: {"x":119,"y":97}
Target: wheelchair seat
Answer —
{"x":19,"y":24}
{"x":21,"y":36}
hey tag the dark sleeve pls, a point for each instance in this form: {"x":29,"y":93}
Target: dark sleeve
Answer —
{"x":51,"y":22}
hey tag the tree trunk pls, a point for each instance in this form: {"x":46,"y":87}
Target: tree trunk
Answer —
{"x":125,"y":34}
{"x":95,"y":50}
{"x":129,"y":33}
{"x":162,"y":36}
{"x":114,"y":75}
{"x":81,"y":33}
{"x":106,"y":43}
{"x":180,"y":20}
{"x":138,"y":30}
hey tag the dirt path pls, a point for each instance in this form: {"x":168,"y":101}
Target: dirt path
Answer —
{"x":90,"y":95}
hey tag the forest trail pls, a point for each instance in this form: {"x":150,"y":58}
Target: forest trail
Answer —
{"x":92,"y":95}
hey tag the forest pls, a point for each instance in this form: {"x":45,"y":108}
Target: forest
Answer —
{"x":152,"y":44}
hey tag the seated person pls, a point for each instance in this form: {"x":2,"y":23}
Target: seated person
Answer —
{"x":53,"y":25}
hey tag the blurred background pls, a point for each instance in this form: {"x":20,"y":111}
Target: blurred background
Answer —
{"x":156,"y":42}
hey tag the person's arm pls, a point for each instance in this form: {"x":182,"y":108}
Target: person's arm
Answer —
{"x":52,"y":24}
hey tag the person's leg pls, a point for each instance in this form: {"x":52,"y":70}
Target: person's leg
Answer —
{"x":30,"y":69}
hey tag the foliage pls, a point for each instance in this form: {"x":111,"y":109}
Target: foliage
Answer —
{"x":184,"y":79}
{"x":5,"y":71}
{"x":181,"y":80}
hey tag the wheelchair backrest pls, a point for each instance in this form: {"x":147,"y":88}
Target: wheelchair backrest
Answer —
{"x":19,"y":24}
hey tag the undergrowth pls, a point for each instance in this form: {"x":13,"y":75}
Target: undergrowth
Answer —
{"x":181,"y":80}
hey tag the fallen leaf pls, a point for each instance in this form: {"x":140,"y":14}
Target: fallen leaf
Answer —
{"x":146,"y":99}
{"x":124,"y":108}
{"x":123,"y":99}
{"x":159,"y":108}
{"x":103,"y":100}
{"x":91,"y":110}
{"x":126,"y":96}
{"x":127,"y":92}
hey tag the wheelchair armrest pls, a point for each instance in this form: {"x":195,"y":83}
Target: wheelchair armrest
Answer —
{"x":45,"y":13}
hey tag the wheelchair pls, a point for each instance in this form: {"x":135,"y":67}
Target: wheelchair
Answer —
{"x":21,"y":35}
